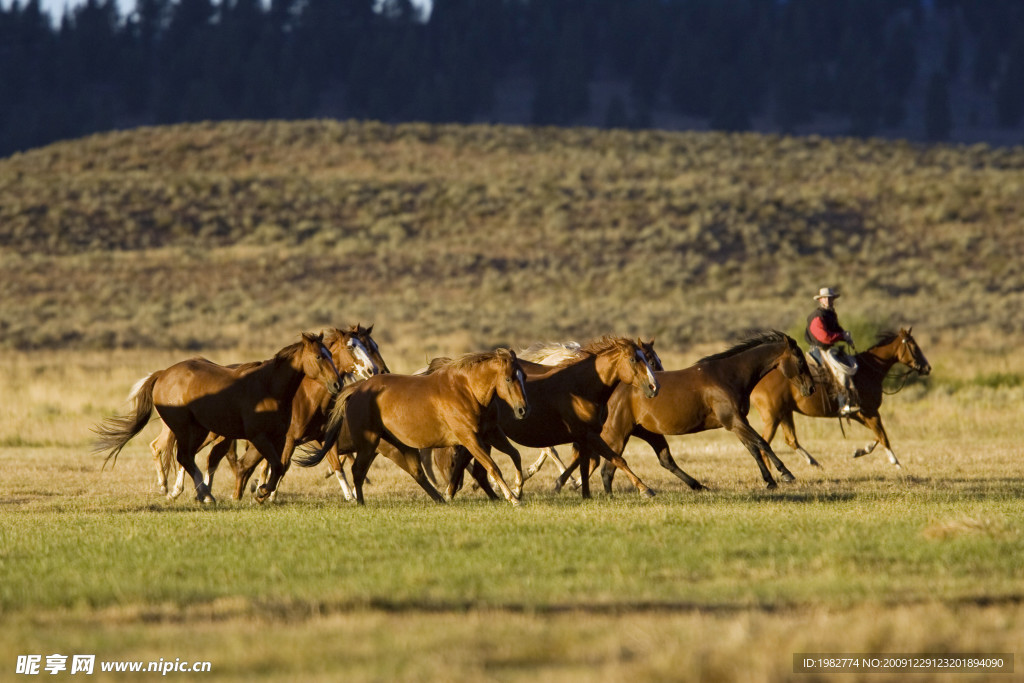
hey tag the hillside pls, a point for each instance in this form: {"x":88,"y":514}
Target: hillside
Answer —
{"x":449,"y":238}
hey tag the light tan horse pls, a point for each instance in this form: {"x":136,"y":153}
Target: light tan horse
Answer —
{"x":253,"y":402}
{"x":411,"y":412}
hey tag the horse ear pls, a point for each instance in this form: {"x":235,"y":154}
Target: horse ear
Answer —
{"x":369,"y":330}
{"x":909,"y":330}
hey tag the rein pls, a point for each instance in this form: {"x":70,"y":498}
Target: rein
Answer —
{"x":904,"y":377}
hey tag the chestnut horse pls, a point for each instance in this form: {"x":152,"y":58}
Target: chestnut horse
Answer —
{"x":411,"y":412}
{"x":776,"y":401}
{"x":568,"y":404}
{"x":312,"y":405}
{"x":356,"y":356}
{"x":712,"y":393}
{"x":254,"y":402}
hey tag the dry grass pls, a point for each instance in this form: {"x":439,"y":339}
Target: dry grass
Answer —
{"x":123,"y":253}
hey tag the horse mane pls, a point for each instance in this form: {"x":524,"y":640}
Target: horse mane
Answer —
{"x":885,"y":337}
{"x":289,"y":352}
{"x":334,"y":335}
{"x":547,"y":353}
{"x":766,"y":337}
{"x":469,"y":360}
{"x":599,"y":346}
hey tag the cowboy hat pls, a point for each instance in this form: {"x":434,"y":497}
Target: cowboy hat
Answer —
{"x":827,"y":293}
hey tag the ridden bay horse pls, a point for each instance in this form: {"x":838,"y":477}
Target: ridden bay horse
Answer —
{"x":253,"y":402}
{"x":356,"y":356}
{"x":776,"y":401}
{"x":449,"y":406}
{"x":568,"y":404}
{"x":712,"y":393}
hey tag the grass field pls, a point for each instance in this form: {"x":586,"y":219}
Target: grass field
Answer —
{"x":123,"y":253}
{"x":858,"y":557}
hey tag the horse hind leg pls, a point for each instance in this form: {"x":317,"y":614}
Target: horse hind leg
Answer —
{"x":189,"y":441}
{"x":789,"y":433}
{"x":336,"y":467}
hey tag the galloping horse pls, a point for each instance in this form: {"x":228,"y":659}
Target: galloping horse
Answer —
{"x":356,"y":356}
{"x":410,"y":412}
{"x":776,"y":401}
{"x":712,"y":393}
{"x":568,"y":404}
{"x":552,"y":354}
{"x":254,"y":402}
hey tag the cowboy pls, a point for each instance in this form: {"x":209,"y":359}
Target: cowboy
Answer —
{"x":823,"y":331}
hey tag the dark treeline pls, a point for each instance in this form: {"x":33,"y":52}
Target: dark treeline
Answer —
{"x":872,"y":64}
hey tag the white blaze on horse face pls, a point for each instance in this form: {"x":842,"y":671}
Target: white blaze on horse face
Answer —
{"x":365,"y":367}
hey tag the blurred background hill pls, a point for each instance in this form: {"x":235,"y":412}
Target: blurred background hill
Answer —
{"x":914,"y":69}
{"x":451,"y":237}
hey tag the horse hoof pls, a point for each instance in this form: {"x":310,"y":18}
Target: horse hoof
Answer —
{"x":788,"y":476}
{"x":697,"y":486}
{"x":771,"y":485}
{"x":649,"y":493}
{"x":515,"y":502}
{"x":163,"y":490}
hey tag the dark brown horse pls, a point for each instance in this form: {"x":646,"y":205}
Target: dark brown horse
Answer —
{"x":356,"y":356}
{"x":412,"y":412}
{"x":712,"y":393}
{"x":568,"y":404}
{"x":252,"y":402}
{"x":776,"y":401}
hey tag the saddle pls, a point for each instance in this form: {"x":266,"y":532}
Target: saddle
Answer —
{"x":823,"y":375}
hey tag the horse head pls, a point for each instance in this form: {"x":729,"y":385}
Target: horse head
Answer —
{"x":351,"y":366}
{"x":511,"y":384}
{"x":653,"y":359}
{"x":318,"y":362}
{"x":909,"y":353}
{"x":365,"y":336}
{"x":793,"y":366}
{"x":642,"y":374}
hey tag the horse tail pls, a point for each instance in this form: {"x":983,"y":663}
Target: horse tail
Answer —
{"x":335,"y":421}
{"x":114,"y":433}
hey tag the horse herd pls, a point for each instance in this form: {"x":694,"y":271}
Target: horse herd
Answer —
{"x":335,"y":392}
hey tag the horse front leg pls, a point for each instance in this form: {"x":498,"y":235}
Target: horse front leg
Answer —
{"x":874,"y":423}
{"x":480,"y":453}
{"x":789,"y":433}
{"x":409,"y":460}
{"x":498,"y":440}
{"x":659,"y":443}
{"x":276,"y":458}
{"x":758,"y":448}
{"x":161,"y":448}
{"x":597,"y":446}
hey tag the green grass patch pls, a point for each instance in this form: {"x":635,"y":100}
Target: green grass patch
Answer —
{"x":770,"y":550}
